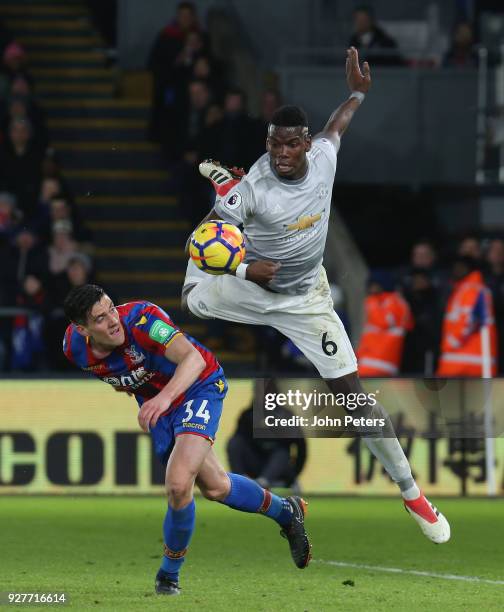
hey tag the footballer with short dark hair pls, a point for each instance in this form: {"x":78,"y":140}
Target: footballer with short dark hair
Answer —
{"x":180,"y":388}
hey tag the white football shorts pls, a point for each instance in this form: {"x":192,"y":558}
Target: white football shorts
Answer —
{"x":308,"y":320}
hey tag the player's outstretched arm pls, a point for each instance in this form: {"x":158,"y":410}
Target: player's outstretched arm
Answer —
{"x":359,"y":83}
{"x":190,"y":364}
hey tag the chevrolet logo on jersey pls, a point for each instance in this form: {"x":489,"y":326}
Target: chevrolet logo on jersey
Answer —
{"x":304,"y":222}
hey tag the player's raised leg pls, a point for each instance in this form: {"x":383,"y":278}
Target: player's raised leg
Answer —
{"x":314,"y":327}
{"x":244,"y":494}
{"x":385,"y":446}
{"x":185,"y":461}
{"x":327,"y":346}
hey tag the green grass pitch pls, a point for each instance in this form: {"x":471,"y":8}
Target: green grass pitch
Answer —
{"x":104,"y":552}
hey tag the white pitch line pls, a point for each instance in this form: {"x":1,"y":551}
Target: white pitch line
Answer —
{"x":397,"y":570}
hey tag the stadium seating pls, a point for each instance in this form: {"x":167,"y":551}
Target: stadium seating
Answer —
{"x":121,"y":182}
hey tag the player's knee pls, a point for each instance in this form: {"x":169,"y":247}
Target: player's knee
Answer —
{"x":179,"y":493}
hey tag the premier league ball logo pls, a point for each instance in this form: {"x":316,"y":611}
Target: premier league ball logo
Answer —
{"x":234,"y":201}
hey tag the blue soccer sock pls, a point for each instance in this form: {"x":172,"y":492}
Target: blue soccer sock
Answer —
{"x":246,"y":495}
{"x":178,"y":527}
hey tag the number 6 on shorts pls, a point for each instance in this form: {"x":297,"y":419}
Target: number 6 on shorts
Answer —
{"x":328,"y":346}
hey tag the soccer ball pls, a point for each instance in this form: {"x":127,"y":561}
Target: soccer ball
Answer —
{"x":217,"y":247}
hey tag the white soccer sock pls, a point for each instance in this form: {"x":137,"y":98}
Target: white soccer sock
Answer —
{"x":411,"y":493}
{"x":390,"y":454}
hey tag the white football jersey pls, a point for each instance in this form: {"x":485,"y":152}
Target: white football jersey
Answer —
{"x":283,"y":220}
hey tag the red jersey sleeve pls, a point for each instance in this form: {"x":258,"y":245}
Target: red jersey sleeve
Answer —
{"x":155,"y":330}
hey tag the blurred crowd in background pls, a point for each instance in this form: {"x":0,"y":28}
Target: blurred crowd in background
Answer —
{"x":198,"y":112}
{"x":45,"y":248}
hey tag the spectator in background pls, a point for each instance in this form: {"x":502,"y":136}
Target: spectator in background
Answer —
{"x":14,"y":60}
{"x":28,"y":334}
{"x":21,"y":166}
{"x":422,"y":342}
{"x":60,"y":209}
{"x":62,"y":247}
{"x":195,"y":45}
{"x":271,"y":462}
{"x":233,"y":139}
{"x":208,"y":69}
{"x":462,"y":53}
{"x":8,"y":223}
{"x":195,"y":197}
{"x":470,"y":247}
{"x":50,"y":188}
{"x":182,"y":76}
{"x":495,"y":282}
{"x":170,"y":50}
{"x":469,"y":308}
{"x":388,"y":318}
{"x":186,"y":129}
{"x":423,"y":257}
{"x":22,"y":107}
{"x":28,"y":256}
{"x":372,"y":42}
{"x":21,"y":85}
{"x":78,"y":272}
{"x":10,"y":217}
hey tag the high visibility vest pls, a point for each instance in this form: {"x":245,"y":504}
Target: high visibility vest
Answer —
{"x":388,"y":318}
{"x":469,"y":308}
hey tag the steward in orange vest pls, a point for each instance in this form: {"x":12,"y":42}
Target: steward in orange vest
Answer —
{"x":469,"y":308}
{"x":388,"y":318}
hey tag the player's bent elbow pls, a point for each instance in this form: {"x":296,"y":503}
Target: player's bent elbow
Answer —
{"x":198,"y":362}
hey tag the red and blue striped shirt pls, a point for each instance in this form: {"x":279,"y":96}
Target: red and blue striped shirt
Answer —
{"x":139,"y":365}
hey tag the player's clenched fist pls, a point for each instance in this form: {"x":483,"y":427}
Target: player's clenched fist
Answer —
{"x":151,"y":410}
{"x":262,"y":272}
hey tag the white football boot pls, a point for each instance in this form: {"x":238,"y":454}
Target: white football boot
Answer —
{"x":222,"y":178}
{"x":432,"y":523}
